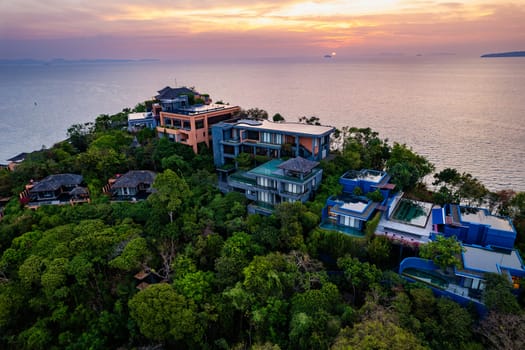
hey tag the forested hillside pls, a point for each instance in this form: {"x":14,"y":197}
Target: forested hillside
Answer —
{"x":218,"y":278}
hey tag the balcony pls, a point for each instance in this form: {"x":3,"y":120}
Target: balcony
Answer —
{"x":442,"y":283}
{"x":231,"y":142}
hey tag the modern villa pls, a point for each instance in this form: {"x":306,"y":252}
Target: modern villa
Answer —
{"x":474,"y":226}
{"x":349,"y":212}
{"x":137,"y":121}
{"x":466,"y":284}
{"x":487,"y":241}
{"x":186,"y":117}
{"x":275,"y":182}
{"x":270,"y":139}
{"x":55,"y":189}
{"x":366,"y":180}
{"x":131,"y":186}
{"x":406,"y":221}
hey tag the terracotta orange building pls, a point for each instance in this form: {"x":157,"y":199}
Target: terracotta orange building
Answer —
{"x":186,"y":116}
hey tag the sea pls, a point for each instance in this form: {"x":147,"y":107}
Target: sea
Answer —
{"x":466,"y":113}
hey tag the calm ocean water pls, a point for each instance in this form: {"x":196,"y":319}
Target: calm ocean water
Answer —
{"x":467,"y":114}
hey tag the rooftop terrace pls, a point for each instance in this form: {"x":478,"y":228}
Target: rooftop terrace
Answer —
{"x":271,"y":169}
{"x":488,"y":260}
{"x":202,"y":109}
{"x":365,"y":174}
{"x":476,"y":215}
{"x":297,"y":128}
{"x":139,"y":116}
{"x":412,"y":212}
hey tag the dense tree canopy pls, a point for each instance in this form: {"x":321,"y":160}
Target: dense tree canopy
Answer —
{"x":188,"y":268}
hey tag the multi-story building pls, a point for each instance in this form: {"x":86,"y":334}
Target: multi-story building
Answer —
{"x":466,"y":283}
{"x":474,"y":226}
{"x":270,"y":139}
{"x":185,"y":116}
{"x":350,"y":211}
{"x":488,"y":247}
{"x":137,"y":121}
{"x":277,"y":181}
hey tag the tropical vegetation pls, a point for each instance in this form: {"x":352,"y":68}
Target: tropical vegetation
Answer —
{"x":219,"y":278}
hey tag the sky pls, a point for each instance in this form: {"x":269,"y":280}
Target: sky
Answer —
{"x":204,"y":29}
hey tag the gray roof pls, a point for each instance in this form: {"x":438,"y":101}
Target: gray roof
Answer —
{"x":169,"y":93}
{"x":54,"y":182}
{"x":486,"y":260}
{"x":78,"y":191}
{"x":133,"y":178}
{"x":18,"y":158}
{"x":299,"y":165}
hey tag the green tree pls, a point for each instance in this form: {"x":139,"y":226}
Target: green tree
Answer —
{"x":379,"y":249}
{"x":502,"y":331}
{"x":256,"y":113}
{"x":497,"y":295}
{"x":377,"y":335}
{"x":164,"y":315}
{"x":134,"y":254}
{"x":406,"y":167}
{"x":171,"y":191}
{"x":278,"y":118}
{"x":361,"y":276}
{"x":80,"y":135}
{"x":313,"y":120}
{"x":378,"y":329}
{"x":364,"y":148}
{"x":244,"y":161}
{"x":236,"y":253}
{"x":375,"y":196}
{"x":444,"y":252}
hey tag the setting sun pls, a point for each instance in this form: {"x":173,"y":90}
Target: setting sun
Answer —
{"x":271,"y":28}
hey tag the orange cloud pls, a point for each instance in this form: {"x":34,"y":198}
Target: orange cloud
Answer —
{"x":305,"y":25}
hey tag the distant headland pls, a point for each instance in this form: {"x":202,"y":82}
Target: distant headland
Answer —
{"x":505,"y":54}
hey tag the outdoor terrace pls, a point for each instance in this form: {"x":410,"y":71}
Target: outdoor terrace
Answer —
{"x":293,"y":128}
{"x":271,"y":169}
{"x":374,"y":176}
{"x":479,"y":216}
{"x":359,"y":207}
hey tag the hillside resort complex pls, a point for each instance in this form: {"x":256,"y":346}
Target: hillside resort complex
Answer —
{"x":278,"y":162}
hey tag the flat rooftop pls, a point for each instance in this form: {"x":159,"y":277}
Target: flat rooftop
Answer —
{"x":271,"y":169}
{"x":365,"y":174}
{"x":201,"y":109}
{"x":297,"y":128}
{"x":351,"y":203}
{"x":489,"y":260}
{"x":139,"y":116}
{"x":418,"y":228}
{"x":476,"y":215}
{"x":412,"y":212}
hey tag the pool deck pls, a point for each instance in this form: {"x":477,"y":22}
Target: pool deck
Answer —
{"x":341,"y":229}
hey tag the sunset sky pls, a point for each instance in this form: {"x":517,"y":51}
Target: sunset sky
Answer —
{"x":170,"y":29}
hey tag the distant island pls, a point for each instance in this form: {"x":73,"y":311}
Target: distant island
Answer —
{"x":505,"y":54}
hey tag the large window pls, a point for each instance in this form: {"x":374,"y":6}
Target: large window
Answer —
{"x":252,"y":135}
{"x":349,"y":221}
{"x":265,"y":197}
{"x":293,"y":188}
{"x":266,"y":137}
{"x":265,"y":182}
